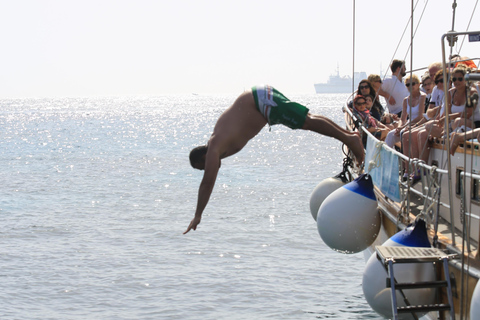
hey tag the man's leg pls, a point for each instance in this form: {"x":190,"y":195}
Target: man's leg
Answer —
{"x":327,"y":127}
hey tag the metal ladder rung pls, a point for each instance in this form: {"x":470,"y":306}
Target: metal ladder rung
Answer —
{"x":426,"y":308}
{"x":418,"y":285}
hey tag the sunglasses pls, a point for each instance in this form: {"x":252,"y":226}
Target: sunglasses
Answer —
{"x":438,"y":81}
{"x":360,"y":103}
{"x":364,"y":87}
{"x":459,"y":79}
{"x":408,"y":84}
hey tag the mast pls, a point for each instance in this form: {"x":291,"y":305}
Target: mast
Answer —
{"x":353,"y":47}
{"x":452,"y":39}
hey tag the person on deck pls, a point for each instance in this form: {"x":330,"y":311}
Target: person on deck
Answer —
{"x":243,"y":120}
{"x":365,"y":88}
{"x":433,"y":68}
{"x":413,"y":107}
{"x":375,"y":80}
{"x":370,"y":106}
{"x":393,"y":89}
{"x":411,"y":138}
{"x":457,"y":107}
{"x":427,"y":87}
{"x":360,"y":110}
{"x":416,"y":148}
{"x":438,"y":94}
{"x":387,"y":119}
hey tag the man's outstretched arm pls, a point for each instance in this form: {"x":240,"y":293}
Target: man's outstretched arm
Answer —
{"x":212,"y":165}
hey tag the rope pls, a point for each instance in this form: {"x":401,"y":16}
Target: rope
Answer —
{"x":468,"y":26}
{"x":377,"y":158}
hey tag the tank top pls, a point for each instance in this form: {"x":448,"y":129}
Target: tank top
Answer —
{"x":416,"y":110}
{"x":455,"y":108}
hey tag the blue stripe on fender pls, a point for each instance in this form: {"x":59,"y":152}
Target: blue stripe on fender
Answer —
{"x":363,"y":185}
{"x":413,"y":237}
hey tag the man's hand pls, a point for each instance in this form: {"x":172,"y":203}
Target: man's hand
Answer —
{"x":391,"y":100}
{"x":193,"y":224}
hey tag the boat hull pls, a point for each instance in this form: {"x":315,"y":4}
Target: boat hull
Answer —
{"x":458,"y":235}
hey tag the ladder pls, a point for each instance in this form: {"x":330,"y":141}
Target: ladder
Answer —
{"x":390,"y":256}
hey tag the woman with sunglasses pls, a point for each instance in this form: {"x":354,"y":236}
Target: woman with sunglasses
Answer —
{"x":365,"y":88}
{"x":386,"y":118}
{"x":376,"y":109}
{"x":413,"y":107}
{"x":456,"y":108}
{"x":436,"y":99}
{"x":459,"y":104}
{"x":411,"y":139}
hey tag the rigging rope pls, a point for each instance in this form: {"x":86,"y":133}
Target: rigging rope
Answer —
{"x":404,"y":31}
{"x":468,"y":26}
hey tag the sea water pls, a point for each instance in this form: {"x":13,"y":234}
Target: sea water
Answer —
{"x":96,"y":193}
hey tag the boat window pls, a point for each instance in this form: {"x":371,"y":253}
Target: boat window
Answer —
{"x":459,"y":182}
{"x":476,"y":189}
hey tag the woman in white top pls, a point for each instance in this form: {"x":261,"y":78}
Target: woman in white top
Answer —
{"x":432,"y":113}
{"x":412,"y":112}
{"x":470,"y":119}
{"x":438,"y":94}
{"x":456,"y":108}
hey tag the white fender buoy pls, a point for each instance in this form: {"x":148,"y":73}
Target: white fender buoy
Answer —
{"x":378,"y":296}
{"x":348,"y":220}
{"x":323,"y":190}
{"x":475,"y":303}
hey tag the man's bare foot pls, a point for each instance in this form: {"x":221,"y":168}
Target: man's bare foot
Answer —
{"x":356,"y":146}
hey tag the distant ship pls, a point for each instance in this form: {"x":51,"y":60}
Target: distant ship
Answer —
{"x":340,"y":84}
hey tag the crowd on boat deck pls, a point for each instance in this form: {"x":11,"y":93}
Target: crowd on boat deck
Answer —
{"x":416,"y":105}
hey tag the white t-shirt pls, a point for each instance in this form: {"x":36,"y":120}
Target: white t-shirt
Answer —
{"x":437,"y":96}
{"x":397,"y":90}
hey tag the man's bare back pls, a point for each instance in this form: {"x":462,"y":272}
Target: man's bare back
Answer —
{"x":240,"y":123}
{"x":236,"y":126}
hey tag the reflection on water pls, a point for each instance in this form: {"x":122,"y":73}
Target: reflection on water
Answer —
{"x":97,"y":192}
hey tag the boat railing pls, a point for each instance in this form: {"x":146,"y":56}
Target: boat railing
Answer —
{"x":472,"y":77}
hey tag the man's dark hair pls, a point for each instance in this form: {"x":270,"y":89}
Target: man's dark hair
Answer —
{"x":196,"y":154}
{"x":396,"y":64}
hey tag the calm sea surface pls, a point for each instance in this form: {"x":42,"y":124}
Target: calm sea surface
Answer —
{"x":95,"y":195}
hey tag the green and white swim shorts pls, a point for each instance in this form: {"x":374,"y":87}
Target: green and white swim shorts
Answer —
{"x":277,"y":109}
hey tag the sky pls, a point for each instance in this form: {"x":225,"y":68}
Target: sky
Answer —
{"x":70,"y":48}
